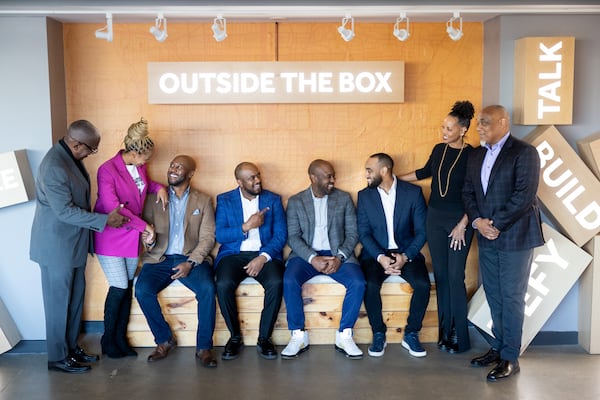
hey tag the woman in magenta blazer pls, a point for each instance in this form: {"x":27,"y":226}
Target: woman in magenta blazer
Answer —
{"x":123,"y":180}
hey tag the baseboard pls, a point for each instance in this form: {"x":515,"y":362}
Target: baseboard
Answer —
{"x":548,"y":338}
{"x":545,"y":338}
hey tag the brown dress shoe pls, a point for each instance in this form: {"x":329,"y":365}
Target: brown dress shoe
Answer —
{"x":206,"y":358}
{"x":162,"y":350}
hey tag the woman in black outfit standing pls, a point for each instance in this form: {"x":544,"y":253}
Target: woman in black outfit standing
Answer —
{"x":449,"y":234}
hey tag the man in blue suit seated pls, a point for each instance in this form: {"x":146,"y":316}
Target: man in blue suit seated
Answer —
{"x":251,"y":229}
{"x":322,"y":235}
{"x":391,"y":226}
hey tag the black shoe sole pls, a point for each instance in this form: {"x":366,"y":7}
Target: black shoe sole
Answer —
{"x":69,"y":371}
{"x":227,"y":357}
{"x":265,"y":356}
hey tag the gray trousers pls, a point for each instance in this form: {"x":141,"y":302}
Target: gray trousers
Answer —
{"x":63,"y":290}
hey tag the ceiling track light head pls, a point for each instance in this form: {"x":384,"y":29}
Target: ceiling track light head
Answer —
{"x":455,"y":34}
{"x":345,"y":33}
{"x":219,"y":28}
{"x":402,"y":33}
{"x":159,"y":30}
{"x":106,"y":33}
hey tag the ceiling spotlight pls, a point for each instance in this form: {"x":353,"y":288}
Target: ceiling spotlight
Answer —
{"x":159,"y":30}
{"x":219,"y":28}
{"x":106,"y":33}
{"x":455,"y":34}
{"x":401,"y":34}
{"x":347,"y":34}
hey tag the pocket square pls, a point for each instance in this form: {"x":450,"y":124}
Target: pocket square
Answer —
{"x":196,"y":212}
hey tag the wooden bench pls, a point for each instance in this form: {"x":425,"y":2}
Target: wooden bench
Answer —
{"x":322,"y":297}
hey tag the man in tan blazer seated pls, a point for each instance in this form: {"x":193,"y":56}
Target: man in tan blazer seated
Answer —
{"x":180,"y":249}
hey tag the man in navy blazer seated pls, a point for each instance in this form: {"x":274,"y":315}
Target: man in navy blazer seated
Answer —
{"x":391,"y":225}
{"x":322,"y":235}
{"x":500,"y":197}
{"x":251,"y":229}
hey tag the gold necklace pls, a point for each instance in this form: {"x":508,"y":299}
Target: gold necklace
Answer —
{"x":449,"y":171}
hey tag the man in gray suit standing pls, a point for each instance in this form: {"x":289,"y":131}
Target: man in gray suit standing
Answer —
{"x":322,"y":234}
{"x":61,"y":238}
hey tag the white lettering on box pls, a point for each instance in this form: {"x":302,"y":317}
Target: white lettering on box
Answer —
{"x":589,"y":217}
{"x":536,"y":282}
{"x":8,"y":179}
{"x":548,"y":92}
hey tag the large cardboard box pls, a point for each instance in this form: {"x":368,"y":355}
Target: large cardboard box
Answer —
{"x":568,"y":190}
{"x":9,"y":334}
{"x":555,"y":268}
{"x":589,"y":149}
{"x":16,"y":180}
{"x":543,"y":86}
{"x":589,"y":301}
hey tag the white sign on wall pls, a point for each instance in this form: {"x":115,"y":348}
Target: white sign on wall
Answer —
{"x":16,"y":180}
{"x":276,"y":82}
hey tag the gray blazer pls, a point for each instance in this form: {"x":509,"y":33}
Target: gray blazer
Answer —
{"x":341,"y":224}
{"x":61,"y":233}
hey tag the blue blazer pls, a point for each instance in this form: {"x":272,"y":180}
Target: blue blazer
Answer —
{"x":511,"y":198}
{"x":229,"y":218}
{"x":410,"y":213}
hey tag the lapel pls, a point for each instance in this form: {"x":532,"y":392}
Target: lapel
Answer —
{"x":126,"y":177}
{"x":397,"y":210}
{"x":501,"y":157}
{"x":236,"y":206}
{"x":309,"y":207}
{"x":332,"y":201}
{"x":81,"y":173}
{"x":189,"y":209}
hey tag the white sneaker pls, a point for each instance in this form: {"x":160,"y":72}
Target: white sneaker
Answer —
{"x":298,"y":344}
{"x":345,"y":344}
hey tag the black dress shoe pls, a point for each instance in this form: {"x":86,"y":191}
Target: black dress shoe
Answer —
{"x":266,"y":349}
{"x":489,"y":358}
{"x":69,"y":365}
{"x":82,"y":357}
{"x":232,"y":348}
{"x":504,"y":369}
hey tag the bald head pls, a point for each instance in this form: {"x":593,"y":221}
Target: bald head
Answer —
{"x":181,"y":170}
{"x":85,"y":132}
{"x":493,"y":123}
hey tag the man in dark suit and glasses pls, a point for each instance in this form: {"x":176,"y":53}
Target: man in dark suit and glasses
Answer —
{"x":500,"y":199}
{"x":61,"y":238}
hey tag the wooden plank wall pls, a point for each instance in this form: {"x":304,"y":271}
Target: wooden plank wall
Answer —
{"x":106,"y":83}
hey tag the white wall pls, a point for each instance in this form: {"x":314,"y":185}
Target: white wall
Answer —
{"x":25,"y":124}
{"x":499,"y":37}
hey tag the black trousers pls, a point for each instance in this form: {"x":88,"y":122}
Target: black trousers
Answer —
{"x":449,"y":271}
{"x":415,"y":273}
{"x":230,"y":272}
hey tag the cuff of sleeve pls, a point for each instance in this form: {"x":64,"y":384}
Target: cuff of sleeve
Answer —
{"x":266,"y":255}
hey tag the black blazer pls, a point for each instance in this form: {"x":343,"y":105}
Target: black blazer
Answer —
{"x":511,"y":200}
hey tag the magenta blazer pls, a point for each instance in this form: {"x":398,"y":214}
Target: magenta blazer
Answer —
{"x":116,"y":186}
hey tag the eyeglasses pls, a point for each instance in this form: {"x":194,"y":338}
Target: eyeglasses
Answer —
{"x":91,"y":150}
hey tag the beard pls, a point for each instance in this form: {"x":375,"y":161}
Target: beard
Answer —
{"x":375,"y":181}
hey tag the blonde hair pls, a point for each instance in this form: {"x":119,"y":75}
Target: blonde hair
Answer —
{"x":137,"y":138}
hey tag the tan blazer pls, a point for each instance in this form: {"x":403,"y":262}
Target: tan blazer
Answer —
{"x":198,"y":227}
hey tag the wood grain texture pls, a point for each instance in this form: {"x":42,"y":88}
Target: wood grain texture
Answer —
{"x":106,"y":83}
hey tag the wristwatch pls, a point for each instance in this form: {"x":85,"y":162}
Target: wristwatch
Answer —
{"x":194,"y":264}
{"x":341,"y":257}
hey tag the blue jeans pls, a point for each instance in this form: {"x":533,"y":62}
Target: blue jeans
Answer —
{"x":299,"y":271}
{"x":155,"y":277}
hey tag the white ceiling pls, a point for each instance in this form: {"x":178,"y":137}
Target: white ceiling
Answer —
{"x":270,"y":10}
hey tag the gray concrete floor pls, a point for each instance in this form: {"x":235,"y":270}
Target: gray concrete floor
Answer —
{"x":547,"y":372}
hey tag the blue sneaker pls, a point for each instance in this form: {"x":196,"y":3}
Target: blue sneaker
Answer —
{"x":412,"y":344}
{"x":377,"y":348}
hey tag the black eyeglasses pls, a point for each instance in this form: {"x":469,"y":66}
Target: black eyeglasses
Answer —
{"x":92,"y":150}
